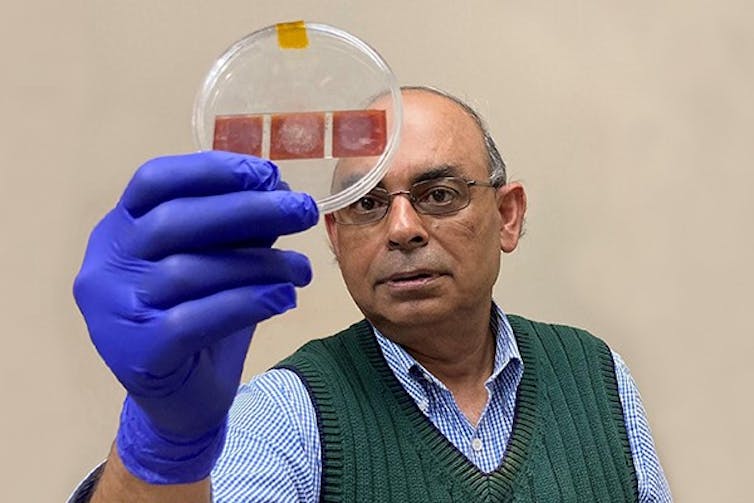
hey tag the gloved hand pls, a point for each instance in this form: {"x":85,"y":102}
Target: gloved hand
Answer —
{"x":174,"y":280}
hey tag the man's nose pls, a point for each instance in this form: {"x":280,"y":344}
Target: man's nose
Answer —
{"x":406,"y":228}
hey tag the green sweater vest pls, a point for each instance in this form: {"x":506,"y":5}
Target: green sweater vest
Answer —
{"x":568,"y":442}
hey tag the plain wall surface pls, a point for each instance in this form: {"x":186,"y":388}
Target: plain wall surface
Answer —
{"x":630,"y":124}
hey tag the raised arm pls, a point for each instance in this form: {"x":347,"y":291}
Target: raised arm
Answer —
{"x":174,"y":280}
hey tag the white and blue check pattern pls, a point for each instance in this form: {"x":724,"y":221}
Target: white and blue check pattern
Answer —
{"x":273,"y":451}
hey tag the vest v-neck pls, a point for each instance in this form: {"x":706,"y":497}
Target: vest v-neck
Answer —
{"x":524,"y":422}
{"x":568,"y":441}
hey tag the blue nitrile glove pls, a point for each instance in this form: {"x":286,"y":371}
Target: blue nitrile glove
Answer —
{"x":173,"y":282}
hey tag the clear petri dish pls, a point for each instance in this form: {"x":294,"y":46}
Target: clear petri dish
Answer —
{"x":318,"y":101}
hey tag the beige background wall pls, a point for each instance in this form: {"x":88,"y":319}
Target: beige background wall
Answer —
{"x":629,"y":122}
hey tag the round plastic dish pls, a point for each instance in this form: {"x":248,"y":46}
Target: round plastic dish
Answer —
{"x":334,"y":71}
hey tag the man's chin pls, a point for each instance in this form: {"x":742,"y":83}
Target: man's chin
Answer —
{"x":411,"y":313}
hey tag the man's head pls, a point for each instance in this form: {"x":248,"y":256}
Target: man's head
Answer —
{"x":495,"y":163}
{"x":411,"y":269}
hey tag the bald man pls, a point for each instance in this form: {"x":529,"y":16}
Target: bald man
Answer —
{"x":437,"y":395}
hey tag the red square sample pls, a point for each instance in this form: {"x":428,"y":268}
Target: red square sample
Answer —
{"x":358,"y":133}
{"x":239,"y":133}
{"x":297,"y":136}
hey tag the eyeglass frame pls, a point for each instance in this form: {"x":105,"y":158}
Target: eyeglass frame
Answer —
{"x":412,"y":199}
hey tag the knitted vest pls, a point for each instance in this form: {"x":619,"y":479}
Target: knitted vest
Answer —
{"x":568,"y":442}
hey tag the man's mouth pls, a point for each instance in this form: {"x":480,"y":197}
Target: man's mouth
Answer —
{"x":408,"y":278}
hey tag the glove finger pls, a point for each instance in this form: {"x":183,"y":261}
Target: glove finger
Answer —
{"x":192,"y":224}
{"x":183,"y":277}
{"x":283,"y":185}
{"x":191,"y":326}
{"x":195,"y":175}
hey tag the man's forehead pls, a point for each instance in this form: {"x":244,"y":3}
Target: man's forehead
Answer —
{"x":410,"y":176}
{"x":422,"y":100}
{"x":426,"y":102}
{"x":429,"y":117}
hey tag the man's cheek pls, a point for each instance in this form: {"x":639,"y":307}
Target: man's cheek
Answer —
{"x":461,"y":229}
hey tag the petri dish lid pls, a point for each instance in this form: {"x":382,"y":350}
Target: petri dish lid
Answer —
{"x":274,"y":78}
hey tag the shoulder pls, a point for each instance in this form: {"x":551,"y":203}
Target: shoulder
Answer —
{"x":280,"y":396}
{"x":325,"y":353}
{"x":272,"y":446}
{"x":653,"y":485}
{"x":558,"y":334}
{"x":276,"y":397}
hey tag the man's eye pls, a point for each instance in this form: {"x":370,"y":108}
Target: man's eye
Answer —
{"x":367,"y":204}
{"x":440,"y":196}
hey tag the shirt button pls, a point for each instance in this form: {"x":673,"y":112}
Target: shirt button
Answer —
{"x":476,"y":444}
{"x":424,"y":406}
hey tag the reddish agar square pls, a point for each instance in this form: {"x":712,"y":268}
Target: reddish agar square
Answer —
{"x":297,"y":136}
{"x":238,"y":133}
{"x":358,"y":133}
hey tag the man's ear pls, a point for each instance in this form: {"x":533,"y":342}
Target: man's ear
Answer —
{"x":511,"y":204}
{"x":332,"y":234}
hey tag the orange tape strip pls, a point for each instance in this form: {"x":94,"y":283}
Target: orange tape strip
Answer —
{"x":292,"y":35}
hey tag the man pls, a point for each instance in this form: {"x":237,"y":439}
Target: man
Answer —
{"x":439,"y":396}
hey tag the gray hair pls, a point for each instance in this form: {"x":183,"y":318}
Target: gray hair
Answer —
{"x":495,"y":163}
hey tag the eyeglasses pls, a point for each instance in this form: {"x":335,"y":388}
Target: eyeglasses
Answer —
{"x":438,"y":196}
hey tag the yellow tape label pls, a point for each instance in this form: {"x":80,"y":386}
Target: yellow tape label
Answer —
{"x":292,"y":35}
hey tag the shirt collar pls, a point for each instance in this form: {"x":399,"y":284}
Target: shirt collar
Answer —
{"x":404,"y":365}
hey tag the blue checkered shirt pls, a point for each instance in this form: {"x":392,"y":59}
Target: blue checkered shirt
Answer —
{"x":273,"y":451}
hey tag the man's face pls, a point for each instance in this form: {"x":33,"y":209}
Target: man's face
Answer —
{"x":409,"y":269}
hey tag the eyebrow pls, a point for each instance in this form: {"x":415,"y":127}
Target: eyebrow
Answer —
{"x":441,"y":171}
